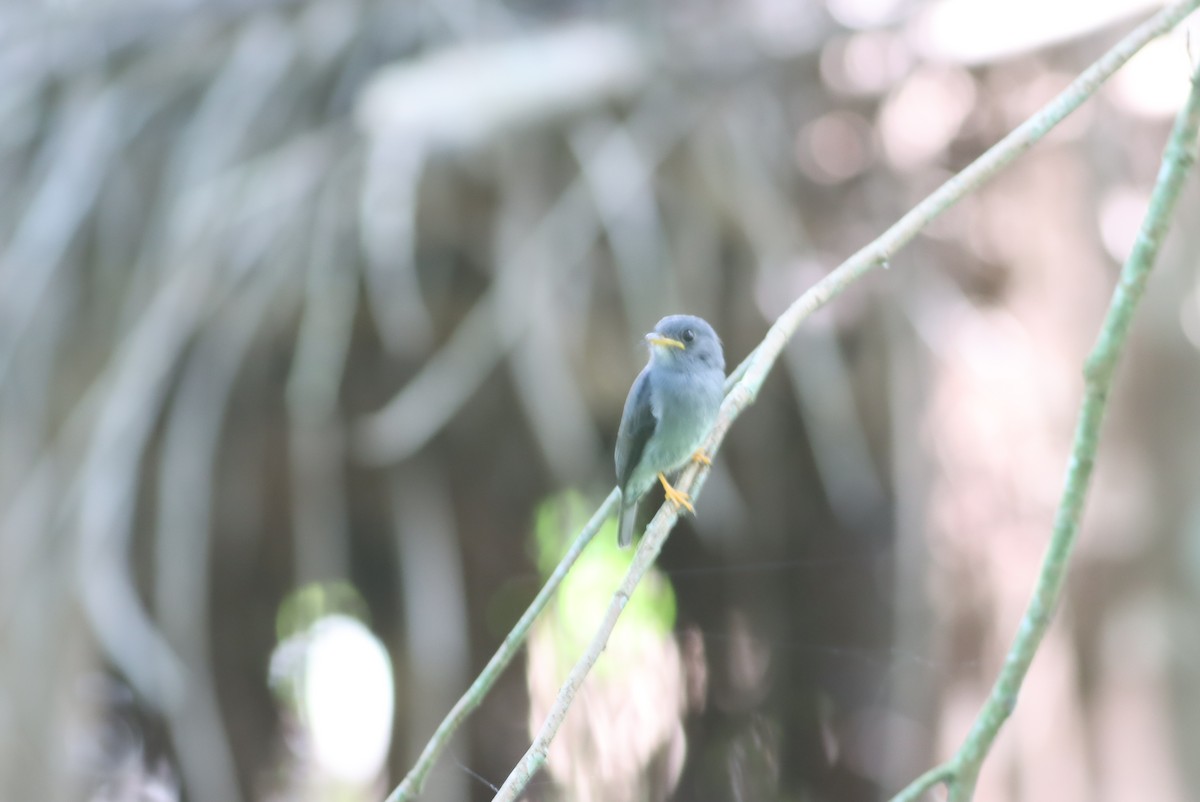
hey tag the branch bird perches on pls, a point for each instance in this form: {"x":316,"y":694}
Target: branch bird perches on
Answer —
{"x":742,"y":388}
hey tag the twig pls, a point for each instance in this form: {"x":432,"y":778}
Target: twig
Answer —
{"x":961,"y":771}
{"x":508,"y":649}
{"x":870,"y":257}
{"x":938,"y":775}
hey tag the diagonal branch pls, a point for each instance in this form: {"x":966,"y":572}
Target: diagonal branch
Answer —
{"x":962,"y":770}
{"x":411,"y":786}
{"x":877,"y":254}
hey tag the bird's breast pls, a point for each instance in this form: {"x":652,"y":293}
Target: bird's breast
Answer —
{"x":685,"y":406}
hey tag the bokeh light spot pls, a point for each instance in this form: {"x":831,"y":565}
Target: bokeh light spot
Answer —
{"x":923,"y":116}
{"x":834,"y":147}
{"x":867,"y":63}
{"x":1121,"y":212}
{"x":1155,"y":82}
{"x":348,"y":699}
{"x":336,"y":676}
{"x":865,"y":13}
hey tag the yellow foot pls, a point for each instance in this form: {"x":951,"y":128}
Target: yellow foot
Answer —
{"x":676,"y":497}
{"x":702,"y":458}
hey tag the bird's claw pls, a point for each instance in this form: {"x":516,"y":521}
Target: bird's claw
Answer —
{"x":676,"y":497}
{"x":702,"y":458}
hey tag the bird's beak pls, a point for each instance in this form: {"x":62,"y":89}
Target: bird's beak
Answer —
{"x":665,"y":342}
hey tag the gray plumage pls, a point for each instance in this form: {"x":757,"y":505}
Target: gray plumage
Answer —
{"x":670,"y":408}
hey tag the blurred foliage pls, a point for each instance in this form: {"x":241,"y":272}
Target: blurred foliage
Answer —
{"x":584,"y":595}
{"x":304,"y":606}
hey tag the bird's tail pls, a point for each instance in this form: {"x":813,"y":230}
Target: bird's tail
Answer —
{"x":625,"y":521}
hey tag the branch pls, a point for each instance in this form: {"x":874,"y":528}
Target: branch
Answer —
{"x":743,"y":386}
{"x":877,"y":254}
{"x":961,"y":771}
{"x":378,"y":437}
{"x":939,"y":775}
{"x":470,"y":700}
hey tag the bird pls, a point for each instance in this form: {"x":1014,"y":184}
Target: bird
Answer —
{"x":670,"y":408}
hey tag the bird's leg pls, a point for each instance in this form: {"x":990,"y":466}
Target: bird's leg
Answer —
{"x":702,"y":458}
{"x":676,"y":497}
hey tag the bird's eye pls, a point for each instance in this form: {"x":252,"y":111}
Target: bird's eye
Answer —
{"x":688,"y":335}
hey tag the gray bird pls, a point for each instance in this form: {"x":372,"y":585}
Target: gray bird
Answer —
{"x":670,"y":408}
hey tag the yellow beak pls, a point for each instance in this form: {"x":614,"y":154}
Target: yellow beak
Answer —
{"x":666,"y":342}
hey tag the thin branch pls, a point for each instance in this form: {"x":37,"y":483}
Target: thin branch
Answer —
{"x":375,"y":432}
{"x":939,"y":775}
{"x":1098,"y":374}
{"x":508,"y":649}
{"x":878,"y":253}
{"x":763,"y":359}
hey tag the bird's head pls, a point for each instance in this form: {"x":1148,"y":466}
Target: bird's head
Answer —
{"x":685,"y":341}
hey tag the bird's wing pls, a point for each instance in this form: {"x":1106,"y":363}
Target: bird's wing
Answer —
{"x":637,"y":427}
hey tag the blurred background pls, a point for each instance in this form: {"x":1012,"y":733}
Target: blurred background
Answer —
{"x":316,"y":322}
